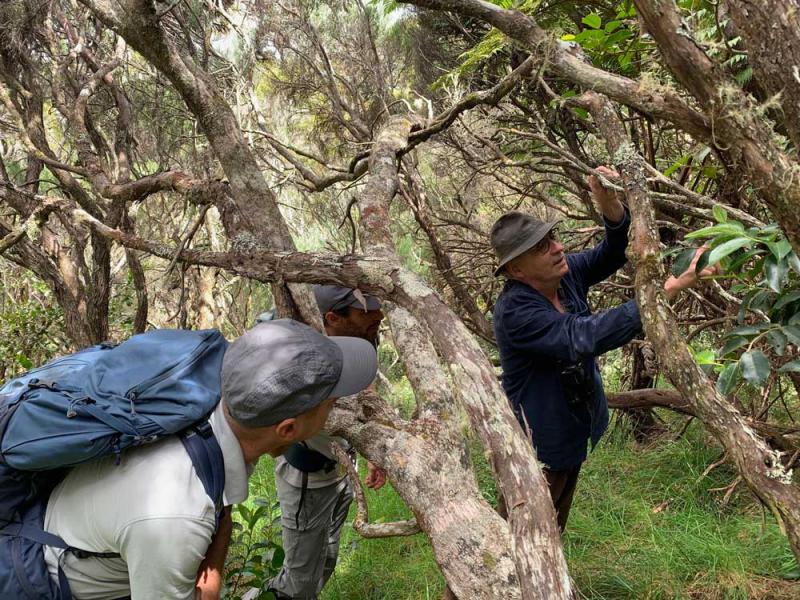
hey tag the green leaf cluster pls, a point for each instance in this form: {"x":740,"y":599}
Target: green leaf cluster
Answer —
{"x":613,"y":43}
{"x":765,"y":272}
{"x":255,"y":556}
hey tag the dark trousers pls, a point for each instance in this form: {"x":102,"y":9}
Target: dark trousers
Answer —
{"x":562,"y":490}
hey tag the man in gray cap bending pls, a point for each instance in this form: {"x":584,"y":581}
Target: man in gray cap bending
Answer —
{"x":313,"y":489}
{"x":152,"y":515}
{"x":549,"y":339}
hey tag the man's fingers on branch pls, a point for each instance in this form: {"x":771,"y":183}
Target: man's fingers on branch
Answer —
{"x":376,"y":477}
{"x":596,"y":183}
{"x":690,"y":277}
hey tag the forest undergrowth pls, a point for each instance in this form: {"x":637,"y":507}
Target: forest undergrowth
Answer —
{"x":648,"y":522}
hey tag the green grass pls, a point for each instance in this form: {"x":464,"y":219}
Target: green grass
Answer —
{"x":645,"y":525}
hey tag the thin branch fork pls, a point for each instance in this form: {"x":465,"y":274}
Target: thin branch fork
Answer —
{"x":38,"y":217}
{"x":29,"y":145}
{"x":188,"y":238}
{"x":361,"y":521}
{"x":671,"y":201}
{"x":358,"y":164}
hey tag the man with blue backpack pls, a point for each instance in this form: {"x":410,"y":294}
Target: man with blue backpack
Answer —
{"x":161,"y":434}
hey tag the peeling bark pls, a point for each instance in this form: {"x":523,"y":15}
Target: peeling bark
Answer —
{"x":536,"y":542}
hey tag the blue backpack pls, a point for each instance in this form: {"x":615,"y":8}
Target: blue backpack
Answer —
{"x":95,"y":403}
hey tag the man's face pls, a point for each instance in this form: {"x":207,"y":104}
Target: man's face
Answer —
{"x":311,"y":423}
{"x":302,"y":427}
{"x":357,"y":322}
{"x":545,"y":263}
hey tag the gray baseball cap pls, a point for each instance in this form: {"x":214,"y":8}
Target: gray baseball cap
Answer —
{"x":335,"y":297}
{"x":281,"y":369}
{"x":514,"y":233}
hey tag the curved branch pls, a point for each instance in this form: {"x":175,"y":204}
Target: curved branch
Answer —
{"x":36,"y":218}
{"x":361,"y":521}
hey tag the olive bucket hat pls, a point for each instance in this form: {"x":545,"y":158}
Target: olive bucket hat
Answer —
{"x":514,"y":233}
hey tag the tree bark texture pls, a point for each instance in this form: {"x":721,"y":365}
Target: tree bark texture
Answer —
{"x":771,"y":32}
{"x":432,"y":473}
{"x":661,"y":103}
{"x":536,"y":542}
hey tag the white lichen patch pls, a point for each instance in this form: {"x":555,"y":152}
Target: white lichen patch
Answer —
{"x":776,"y":470}
{"x":245,"y":243}
{"x":651,"y":84}
{"x":32,"y":229}
{"x":376,"y":273}
{"x":412,"y":284}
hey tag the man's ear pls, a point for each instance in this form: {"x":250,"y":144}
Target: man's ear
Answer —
{"x":331,"y":318}
{"x":287,"y":430}
{"x":512,"y":270}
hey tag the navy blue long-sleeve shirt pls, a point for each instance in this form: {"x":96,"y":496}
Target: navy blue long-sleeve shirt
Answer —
{"x":536,"y":342}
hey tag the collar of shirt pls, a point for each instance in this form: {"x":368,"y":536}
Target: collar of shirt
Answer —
{"x":237,"y":471}
{"x":565,"y":293}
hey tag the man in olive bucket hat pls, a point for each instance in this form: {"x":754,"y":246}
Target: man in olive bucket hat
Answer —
{"x":549,"y":339}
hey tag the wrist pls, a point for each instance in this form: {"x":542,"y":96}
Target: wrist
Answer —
{"x":671,"y":289}
{"x":612,"y":210}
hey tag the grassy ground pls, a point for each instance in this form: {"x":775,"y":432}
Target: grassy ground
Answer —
{"x":645,"y":525}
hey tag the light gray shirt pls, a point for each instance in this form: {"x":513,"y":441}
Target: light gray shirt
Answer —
{"x":152,"y":509}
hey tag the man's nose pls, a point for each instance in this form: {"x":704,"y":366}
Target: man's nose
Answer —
{"x":556,"y":247}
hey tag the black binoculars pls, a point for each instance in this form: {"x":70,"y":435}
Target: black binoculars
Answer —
{"x":578,"y":385}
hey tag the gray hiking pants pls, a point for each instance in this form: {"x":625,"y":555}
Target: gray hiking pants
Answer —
{"x":310,"y":536}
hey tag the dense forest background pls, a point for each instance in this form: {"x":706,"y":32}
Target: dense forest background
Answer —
{"x":193,"y":163}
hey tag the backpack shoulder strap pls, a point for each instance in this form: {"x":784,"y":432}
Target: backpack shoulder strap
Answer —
{"x":206,"y":455}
